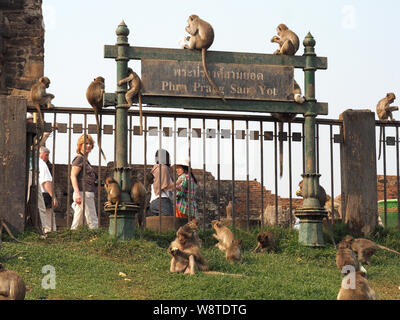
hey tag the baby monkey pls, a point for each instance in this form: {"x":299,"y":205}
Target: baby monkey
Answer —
{"x":265,"y":242}
{"x":114,"y":197}
{"x":202,"y":37}
{"x":12,"y":286}
{"x":135,"y":85}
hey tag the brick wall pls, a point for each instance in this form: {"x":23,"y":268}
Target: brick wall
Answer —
{"x":391,"y":187}
{"x":61,"y":180}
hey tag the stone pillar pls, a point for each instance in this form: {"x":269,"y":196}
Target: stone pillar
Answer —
{"x":23,"y":46}
{"x":358,"y":171}
{"x":13,"y":161}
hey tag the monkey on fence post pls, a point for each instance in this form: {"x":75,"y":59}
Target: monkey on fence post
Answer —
{"x":94,"y":95}
{"x":202,"y":37}
{"x":113,"y":196}
{"x":134,"y":90}
{"x":384,"y":112}
{"x":40,"y":97}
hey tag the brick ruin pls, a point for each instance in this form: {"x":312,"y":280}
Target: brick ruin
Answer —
{"x":61,"y":181}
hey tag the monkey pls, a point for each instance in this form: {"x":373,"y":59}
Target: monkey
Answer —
{"x":192,"y":228}
{"x":321,"y":194}
{"x":364,"y":248}
{"x":288,"y":41}
{"x":202,"y":37}
{"x":346,"y":257}
{"x":40,"y":97}
{"x":113,"y":196}
{"x":384,"y":112}
{"x":361,"y":291}
{"x":135,"y":86}
{"x":185,"y":254}
{"x":139,"y":196}
{"x":94,"y":95}
{"x":4,"y":225}
{"x":227,"y":242}
{"x":234,"y":251}
{"x":265,"y":242}
{"x":287,"y":117}
{"x":12,"y":286}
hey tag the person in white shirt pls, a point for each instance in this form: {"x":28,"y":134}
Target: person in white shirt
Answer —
{"x":46,"y":191}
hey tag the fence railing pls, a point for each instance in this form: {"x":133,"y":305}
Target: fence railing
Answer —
{"x":240,"y":151}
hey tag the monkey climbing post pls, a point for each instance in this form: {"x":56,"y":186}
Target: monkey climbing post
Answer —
{"x":122,"y":172}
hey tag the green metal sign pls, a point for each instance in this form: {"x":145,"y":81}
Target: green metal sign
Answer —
{"x":311,"y":214}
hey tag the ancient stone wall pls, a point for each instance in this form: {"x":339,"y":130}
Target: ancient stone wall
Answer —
{"x":21,"y":46}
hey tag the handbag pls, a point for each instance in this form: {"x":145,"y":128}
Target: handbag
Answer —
{"x":47,"y":200}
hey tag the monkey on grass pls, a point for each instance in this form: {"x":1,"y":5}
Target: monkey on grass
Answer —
{"x":265,"y":242}
{"x":12,"y":286}
{"x":114,"y":197}
{"x":186,"y":256}
{"x":356,"y":287}
{"x":134,"y":90}
{"x":94,"y":95}
{"x":364,"y":248}
{"x":201,"y":38}
{"x":227,"y":242}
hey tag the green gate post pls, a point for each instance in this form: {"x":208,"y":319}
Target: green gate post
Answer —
{"x":311,"y":213}
{"x":122,"y":172}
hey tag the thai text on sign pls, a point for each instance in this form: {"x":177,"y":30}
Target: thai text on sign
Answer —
{"x":235,"y":81}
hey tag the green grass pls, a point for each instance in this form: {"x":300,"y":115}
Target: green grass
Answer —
{"x":88,"y":262}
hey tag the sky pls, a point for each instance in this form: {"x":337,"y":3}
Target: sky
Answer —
{"x":359,"y":38}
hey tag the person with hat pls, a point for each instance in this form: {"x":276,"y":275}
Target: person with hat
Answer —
{"x":186,"y":186}
{"x":163,"y":185}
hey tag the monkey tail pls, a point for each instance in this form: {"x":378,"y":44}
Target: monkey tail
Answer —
{"x":384,"y":248}
{"x":140,"y":113}
{"x":203,"y":60}
{"x":115,"y":218}
{"x":223,"y":274}
{"x":99,"y":133}
{"x":380,"y":141}
{"x":280,"y":149}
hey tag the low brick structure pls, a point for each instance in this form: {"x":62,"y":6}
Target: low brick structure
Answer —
{"x":61,"y":186}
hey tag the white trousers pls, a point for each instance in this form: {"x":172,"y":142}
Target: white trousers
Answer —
{"x":90,"y":212}
{"x":47,"y":216}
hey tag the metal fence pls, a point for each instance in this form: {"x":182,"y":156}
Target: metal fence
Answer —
{"x":234,"y":148}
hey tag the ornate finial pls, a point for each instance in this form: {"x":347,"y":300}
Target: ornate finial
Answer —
{"x":122,"y":29}
{"x":309,"y":40}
